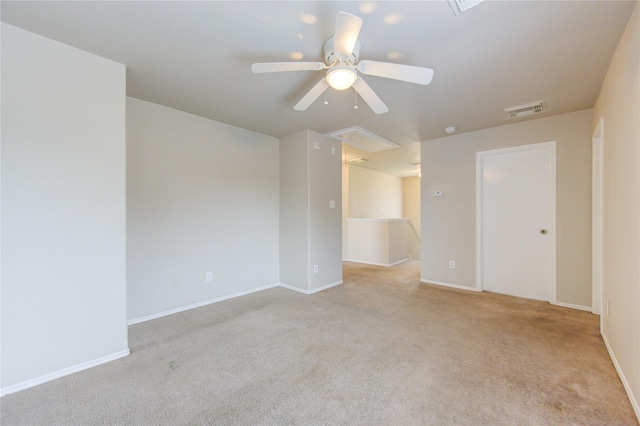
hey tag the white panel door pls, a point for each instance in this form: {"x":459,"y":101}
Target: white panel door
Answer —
{"x":516,"y":206}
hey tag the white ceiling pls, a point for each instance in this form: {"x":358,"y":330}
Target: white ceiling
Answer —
{"x":197,"y":56}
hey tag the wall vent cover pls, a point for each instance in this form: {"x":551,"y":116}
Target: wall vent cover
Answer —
{"x":524,"y":110}
{"x":362,"y":139}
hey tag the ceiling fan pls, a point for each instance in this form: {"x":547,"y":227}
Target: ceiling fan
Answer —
{"x":342,"y":54}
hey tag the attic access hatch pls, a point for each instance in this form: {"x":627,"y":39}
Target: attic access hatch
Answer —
{"x":523,"y":110}
{"x":460,"y":6}
{"x":362,"y":139}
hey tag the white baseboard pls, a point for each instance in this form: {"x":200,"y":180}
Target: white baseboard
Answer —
{"x":61,"y":373}
{"x":569,"y":305}
{"x":299,"y":290}
{"x":461,"y":287}
{"x":315,"y":290}
{"x":456,"y":286}
{"x":199,"y":304}
{"x":376,"y":264}
{"x":294,"y":288}
{"x":625,"y":382}
{"x":220,"y":299}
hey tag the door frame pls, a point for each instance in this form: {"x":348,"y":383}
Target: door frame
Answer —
{"x":597,"y":205}
{"x":480,"y":155}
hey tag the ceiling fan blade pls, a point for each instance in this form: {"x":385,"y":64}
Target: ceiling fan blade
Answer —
{"x":311,"y":95}
{"x":407,"y":73}
{"x":369,"y":96}
{"x":346,"y":35}
{"x":286,"y":66}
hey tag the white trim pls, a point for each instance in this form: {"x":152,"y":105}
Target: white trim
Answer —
{"x":308,"y":205}
{"x":456,"y":286}
{"x":376,"y":220}
{"x":315,"y":290}
{"x":625,"y":382}
{"x":61,"y":373}
{"x":572,"y":306}
{"x":300,"y":290}
{"x":294,"y":288}
{"x":198,"y":305}
{"x":597,"y":207}
{"x":231,"y":296}
{"x":413,"y":227}
{"x":479,"y":252}
{"x":377,"y":264}
{"x":552,"y":227}
{"x":551,"y":147}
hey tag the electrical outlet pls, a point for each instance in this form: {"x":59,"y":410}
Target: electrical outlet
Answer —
{"x":315,"y":269}
{"x":173,"y":281}
{"x":209,"y":277}
{"x":452,"y":264}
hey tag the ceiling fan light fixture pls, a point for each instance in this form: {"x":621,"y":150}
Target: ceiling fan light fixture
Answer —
{"x":343,"y":66}
{"x":341,"y":77}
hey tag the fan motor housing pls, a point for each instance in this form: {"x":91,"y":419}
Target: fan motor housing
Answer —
{"x":331,"y":57}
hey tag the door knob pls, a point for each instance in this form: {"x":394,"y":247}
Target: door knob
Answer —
{"x":543,"y":231}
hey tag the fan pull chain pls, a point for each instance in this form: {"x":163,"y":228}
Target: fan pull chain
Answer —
{"x":326,"y":97}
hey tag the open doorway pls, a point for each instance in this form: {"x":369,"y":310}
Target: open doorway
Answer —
{"x":381,"y":205}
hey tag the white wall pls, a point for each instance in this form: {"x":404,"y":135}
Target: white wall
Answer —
{"x":294,"y":211}
{"x":310,"y":230}
{"x":63,"y":210}
{"x":382,"y":242}
{"x":325,"y":222}
{"x":619,"y":107}
{"x":374,"y":194}
{"x":448,"y":222}
{"x":202,"y":196}
{"x":345,"y":206}
{"x":411,"y":200}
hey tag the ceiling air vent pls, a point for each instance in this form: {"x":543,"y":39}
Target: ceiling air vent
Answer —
{"x":523,"y":110}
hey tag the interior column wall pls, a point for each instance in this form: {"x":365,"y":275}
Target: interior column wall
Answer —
{"x":294,"y":211}
{"x":311,"y":212}
{"x":345,"y":205}
{"x":325,"y":204}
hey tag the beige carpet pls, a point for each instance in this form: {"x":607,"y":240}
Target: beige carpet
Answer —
{"x":382,"y":349}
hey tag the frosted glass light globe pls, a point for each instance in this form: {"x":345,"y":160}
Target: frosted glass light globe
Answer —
{"x":341,"y":77}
